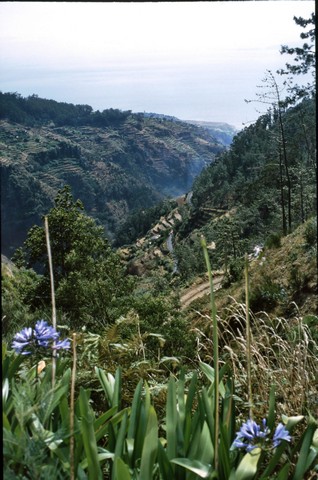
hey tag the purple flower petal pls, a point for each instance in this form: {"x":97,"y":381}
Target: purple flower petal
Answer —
{"x":66,"y":344}
{"x":281,"y":433}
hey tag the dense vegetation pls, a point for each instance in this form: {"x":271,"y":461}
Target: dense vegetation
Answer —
{"x":252,"y":190}
{"x":132,"y":383}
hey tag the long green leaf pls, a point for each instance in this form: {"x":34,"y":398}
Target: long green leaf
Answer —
{"x":117,"y":388}
{"x":171,"y":420}
{"x":89,"y":440}
{"x":150,"y":447}
{"x":135,"y":411}
{"x":305,"y":450}
{"x":270,"y":467}
{"x":101,"y":423}
{"x":283,"y":473}
{"x":271,"y":409}
{"x":122,"y":470}
{"x":248,"y":465}
{"x":195,"y":466}
{"x":119,"y":447}
{"x":210,"y":374}
{"x":165,"y":466}
{"x":107,"y":384}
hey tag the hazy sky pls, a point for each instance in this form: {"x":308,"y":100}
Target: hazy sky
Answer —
{"x":194,"y":60}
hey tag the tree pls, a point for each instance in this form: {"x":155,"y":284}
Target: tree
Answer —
{"x":304,"y":61}
{"x":89,"y":278}
{"x":272,"y":96}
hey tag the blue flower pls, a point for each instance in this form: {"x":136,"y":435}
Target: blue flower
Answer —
{"x":250,"y":435}
{"x":44,"y":333}
{"x":66,"y":344}
{"x":22,"y":340}
{"x":281,"y":433}
{"x":30,"y":340}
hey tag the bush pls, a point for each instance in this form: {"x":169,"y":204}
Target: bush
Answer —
{"x":266,"y":296}
{"x":310,"y":232}
{"x":273,"y":240}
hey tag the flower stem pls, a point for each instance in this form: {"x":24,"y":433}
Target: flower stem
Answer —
{"x":215,"y":355}
{"x":72,"y":404}
{"x":248,"y":341}
{"x":46,"y":222}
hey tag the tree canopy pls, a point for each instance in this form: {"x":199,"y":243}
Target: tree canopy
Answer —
{"x":89,"y":278}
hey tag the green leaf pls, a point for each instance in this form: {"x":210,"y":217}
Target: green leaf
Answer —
{"x":315,"y":439}
{"x":290,"y":422}
{"x":107,"y":383}
{"x":122,"y":470}
{"x":271,"y":409}
{"x":5,"y":390}
{"x":210,"y":374}
{"x":150,"y":447}
{"x":89,"y":440}
{"x":283,"y":474}
{"x":171,"y":420}
{"x":101,"y":423}
{"x":195,"y":466}
{"x":274,"y":460}
{"x":305,"y":457}
{"x":248,"y":465}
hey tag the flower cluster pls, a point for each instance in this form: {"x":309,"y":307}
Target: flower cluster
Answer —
{"x":30,"y":340}
{"x":252,"y":435}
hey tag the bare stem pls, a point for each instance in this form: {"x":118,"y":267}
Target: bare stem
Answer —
{"x":215,"y":356}
{"x":52,"y":294}
{"x":248,"y":340}
{"x":72,"y":404}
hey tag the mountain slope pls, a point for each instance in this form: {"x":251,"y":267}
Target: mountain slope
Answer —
{"x":127,"y":163}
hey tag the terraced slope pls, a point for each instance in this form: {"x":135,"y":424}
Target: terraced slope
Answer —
{"x":114,"y":170}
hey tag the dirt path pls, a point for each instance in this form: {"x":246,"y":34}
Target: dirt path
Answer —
{"x":193,"y":293}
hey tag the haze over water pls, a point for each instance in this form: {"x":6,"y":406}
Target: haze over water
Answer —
{"x":192,"y":60}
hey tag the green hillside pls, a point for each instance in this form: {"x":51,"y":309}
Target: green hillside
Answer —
{"x":115,"y":162}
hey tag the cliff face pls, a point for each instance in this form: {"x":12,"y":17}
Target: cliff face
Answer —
{"x":112,"y":169}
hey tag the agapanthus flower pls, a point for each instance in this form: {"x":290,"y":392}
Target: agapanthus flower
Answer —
{"x":30,"y":340}
{"x":281,"y":433}
{"x":66,"y":344}
{"x":250,"y":435}
{"x":44,"y":333}
{"x":22,"y":340}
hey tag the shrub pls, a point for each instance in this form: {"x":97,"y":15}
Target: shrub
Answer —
{"x":266,"y":296}
{"x":273,"y":240}
{"x":310,"y":232}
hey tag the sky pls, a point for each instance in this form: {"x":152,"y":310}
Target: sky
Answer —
{"x":193,"y":60}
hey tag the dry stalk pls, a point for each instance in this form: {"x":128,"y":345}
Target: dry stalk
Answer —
{"x":47,"y":236}
{"x":72,"y":408}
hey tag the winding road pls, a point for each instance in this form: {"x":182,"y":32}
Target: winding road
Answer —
{"x":198,"y":291}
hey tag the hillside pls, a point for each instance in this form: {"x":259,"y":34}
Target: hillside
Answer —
{"x":223,"y":132}
{"x":115,"y":162}
{"x":240,"y":203}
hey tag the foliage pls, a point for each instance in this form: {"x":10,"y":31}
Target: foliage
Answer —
{"x":89,"y":278}
{"x":34,"y":110}
{"x":139,"y":222}
{"x":238,"y":199}
{"x":304,"y":60}
{"x":311,"y":232}
{"x":16,"y":290}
